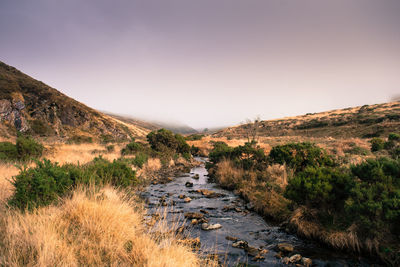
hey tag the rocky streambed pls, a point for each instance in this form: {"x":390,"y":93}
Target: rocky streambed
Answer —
{"x":227,"y":227}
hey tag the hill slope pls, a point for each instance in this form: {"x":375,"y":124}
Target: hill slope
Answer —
{"x":174,"y":127}
{"x":30,"y":106}
{"x":363,"y":122}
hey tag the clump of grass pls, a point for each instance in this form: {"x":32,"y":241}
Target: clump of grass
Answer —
{"x":92,"y":228}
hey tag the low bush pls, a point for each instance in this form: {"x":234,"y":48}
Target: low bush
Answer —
{"x":26,"y":148}
{"x":8,"y":152}
{"x":110,"y":148}
{"x":320,"y":187}
{"x":166,"y":144}
{"x":194,"y":137}
{"x":46,"y":182}
{"x":132,"y":148}
{"x":375,"y":200}
{"x":40,"y":185}
{"x":377,"y":144}
{"x":80,"y":139}
{"x":298,"y":156}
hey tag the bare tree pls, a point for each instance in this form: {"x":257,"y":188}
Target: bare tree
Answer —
{"x":251,"y":129}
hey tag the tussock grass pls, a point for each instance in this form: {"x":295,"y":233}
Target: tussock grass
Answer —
{"x":92,"y":228}
{"x":82,"y":153}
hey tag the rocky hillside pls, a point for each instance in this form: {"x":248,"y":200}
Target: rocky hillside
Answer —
{"x":30,"y":106}
{"x":363,"y":122}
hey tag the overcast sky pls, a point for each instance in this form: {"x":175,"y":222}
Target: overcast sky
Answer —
{"x":208,"y":63}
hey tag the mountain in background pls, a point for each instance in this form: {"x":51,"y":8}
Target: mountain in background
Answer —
{"x":30,"y":106}
{"x":155,"y":125}
{"x":361,"y":122}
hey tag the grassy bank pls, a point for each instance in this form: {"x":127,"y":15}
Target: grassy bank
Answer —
{"x":93,"y":227}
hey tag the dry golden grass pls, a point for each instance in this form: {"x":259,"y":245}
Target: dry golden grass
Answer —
{"x":302,"y":220}
{"x":93,"y":228}
{"x":83,"y":153}
{"x":266,"y":202}
{"x":7,"y":171}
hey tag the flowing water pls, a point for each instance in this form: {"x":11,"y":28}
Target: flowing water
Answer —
{"x":240,"y":223}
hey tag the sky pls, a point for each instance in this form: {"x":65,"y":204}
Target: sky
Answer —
{"x":208,"y":63}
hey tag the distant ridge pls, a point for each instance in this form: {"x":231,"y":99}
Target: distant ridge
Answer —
{"x":174,"y":127}
{"x":30,"y":106}
{"x":362,"y":122}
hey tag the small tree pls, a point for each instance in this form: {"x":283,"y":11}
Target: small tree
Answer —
{"x":251,"y":129}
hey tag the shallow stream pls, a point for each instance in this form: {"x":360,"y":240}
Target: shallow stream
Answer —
{"x":237,"y":221}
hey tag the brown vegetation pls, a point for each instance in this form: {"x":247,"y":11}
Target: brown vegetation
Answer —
{"x":97,"y":228}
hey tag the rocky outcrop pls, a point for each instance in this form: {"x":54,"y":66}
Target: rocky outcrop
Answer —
{"x":12,"y":112}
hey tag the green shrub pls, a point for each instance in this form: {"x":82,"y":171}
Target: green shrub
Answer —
{"x":298,"y":156}
{"x":46,"y":182}
{"x":394,"y":137}
{"x":194,"y":137}
{"x":132,"y":148}
{"x":140,"y":159}
{"x":40,"y":185}
{"x":375,"y":201}
{"x":8,"y":152}
{"x":162,"y":140}
{"x":110,"y":148}
{"x":377,"y":144}
{"x":166,"y":143}
{"x":219,"y":152}
{"x":183,"y":147}
{"x":320,"y":187}
{"x":28,"y":148}
{"x":194,"y":150}
{"x":101,"y":171}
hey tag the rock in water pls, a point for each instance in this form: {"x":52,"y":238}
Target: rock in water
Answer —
{"x":196,"y":176}
{"x":187,"y":200}
{"x":189,"y":184}
{"x":295,"y":258}
{"x":240,"y":244}
{"x":285,"y":247}
{"x":307,"y":262}
{"x":194,"y":215}
{"x":208,"y":227}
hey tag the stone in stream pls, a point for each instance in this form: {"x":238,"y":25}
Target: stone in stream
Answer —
{"x":258,"y":257}
{"x":189,"y":184}
{"x":295,"y":258}
{"x":208,"y":227}
{"x":240,"y":244}
{"x":181,"y":196}
{"x":286,"y":260}
{"x":209,"y":194}
{"x":194,"y":215}
{"x":307,"y":262}
{"x":285,"y":247}
{"x":196,"y":176}
{"x":187,"y":199}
